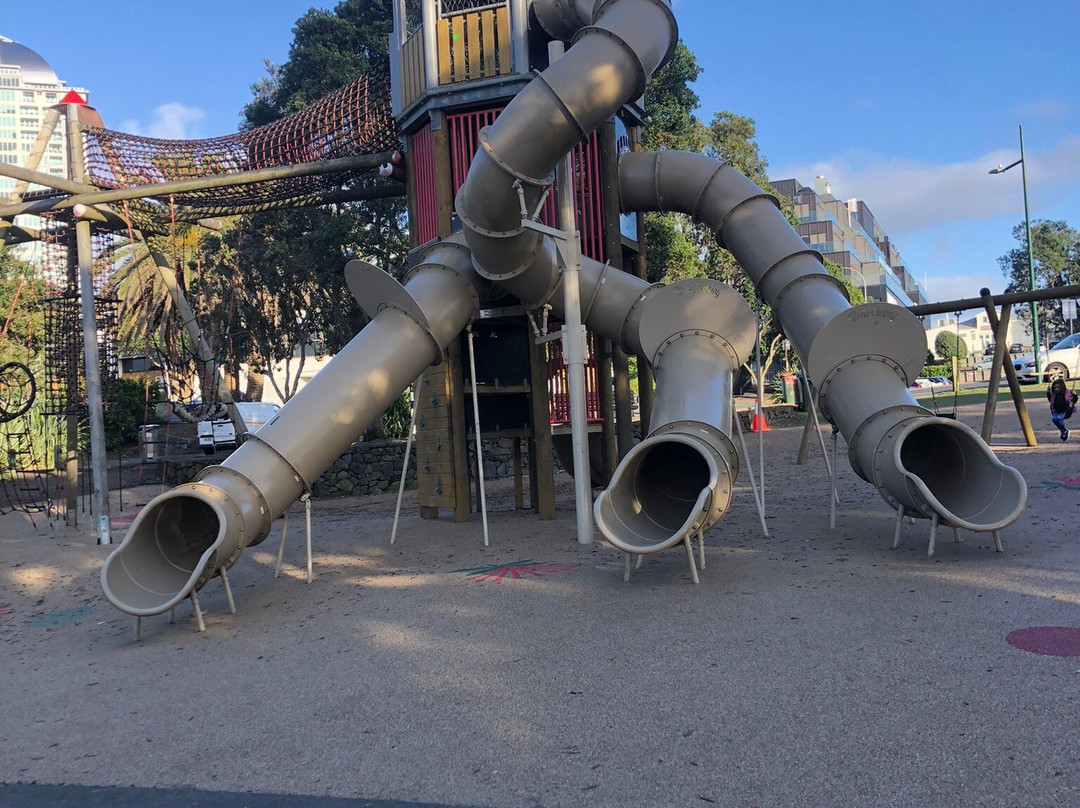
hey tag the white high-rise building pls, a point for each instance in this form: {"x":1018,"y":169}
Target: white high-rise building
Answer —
{"x":28,"y":88}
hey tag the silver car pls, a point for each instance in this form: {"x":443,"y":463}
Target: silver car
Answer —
{"x":1061,"y":362}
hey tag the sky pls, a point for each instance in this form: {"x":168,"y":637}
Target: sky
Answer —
{"x":903,"y":105}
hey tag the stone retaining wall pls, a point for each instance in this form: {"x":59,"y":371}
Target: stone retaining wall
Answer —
{"x":371,"y":467}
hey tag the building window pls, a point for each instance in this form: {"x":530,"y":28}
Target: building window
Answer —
{"x":26,"y":96}
{"x":9,"y":81}
{"x":7,"y":95}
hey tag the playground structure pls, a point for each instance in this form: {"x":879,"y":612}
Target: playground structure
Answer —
{"x":678,"y":481}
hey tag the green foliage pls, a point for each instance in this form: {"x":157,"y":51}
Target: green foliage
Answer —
{"x":855,"y":294}
{"x":731,"y":137}
{"x":34,"y":432}
{"x":947,"y":345}
{"x":126,"y":410}
{"x":670,"y":122}
{"x":1055,"y":248}
{"x":21,"y":343}
{"x":937,"y":370}
{"x":394,"y":422}
{"x":285,"y":266}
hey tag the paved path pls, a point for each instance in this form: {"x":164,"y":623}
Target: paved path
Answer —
{"x":817,"y":668}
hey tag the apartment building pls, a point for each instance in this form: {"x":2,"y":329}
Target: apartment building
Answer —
{"x":28,"y":88}
{"x":849,"y":234}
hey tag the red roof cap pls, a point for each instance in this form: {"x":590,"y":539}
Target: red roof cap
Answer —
{"x":73,"y":98}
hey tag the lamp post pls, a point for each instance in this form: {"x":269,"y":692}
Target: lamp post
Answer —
{"x":862,"y":279}
{"x":1031,"y":259}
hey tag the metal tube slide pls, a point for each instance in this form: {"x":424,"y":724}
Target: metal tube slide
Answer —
{"x":861,"y":359}
{"x":183,"y":537}
{"x":607,"y":66}
{"x":679,"y":480}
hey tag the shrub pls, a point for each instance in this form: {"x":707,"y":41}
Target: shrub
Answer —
{"x":126,"y":410}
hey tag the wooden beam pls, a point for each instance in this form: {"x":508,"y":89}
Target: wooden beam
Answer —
{"x":1010,"y":374}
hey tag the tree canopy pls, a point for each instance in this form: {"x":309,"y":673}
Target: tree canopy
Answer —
{"x":1055,"y":248}
{"x":290,"y":293}
{"x":947,"y":345}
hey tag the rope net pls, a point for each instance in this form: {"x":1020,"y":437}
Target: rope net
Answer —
{"x":64,"y":388}
{"x":354,"y":121}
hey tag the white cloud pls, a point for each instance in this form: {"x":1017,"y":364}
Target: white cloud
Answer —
{"x":907,"y":195}
{"x":172,"y":121}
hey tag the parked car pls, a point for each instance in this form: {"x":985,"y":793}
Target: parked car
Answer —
{"x":921,"y":383}
{"x":1061,"y":362}
{"x":221,"y":434}
{"x":940,"y":381}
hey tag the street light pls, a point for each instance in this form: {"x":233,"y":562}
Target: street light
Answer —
{"x":862,"y":278}
{"x":1031,"y":260}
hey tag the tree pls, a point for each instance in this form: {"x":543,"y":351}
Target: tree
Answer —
{"x":1055,"y":247}
{"x":291,"y":296}
{"x":947,"y":345}
{"x":670,"y":122}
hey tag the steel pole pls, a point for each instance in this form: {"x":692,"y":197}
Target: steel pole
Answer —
{"x":91,"y":354}
{"x":1031,"y":260}
{"x":574,"y":339}
{"x":92,"y":365}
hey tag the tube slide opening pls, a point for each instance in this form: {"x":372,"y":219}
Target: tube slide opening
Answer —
{"x":661,"y":492}
{"x":164,"y":554}
{"x":961,"y":478}
{"x":667,"y":482}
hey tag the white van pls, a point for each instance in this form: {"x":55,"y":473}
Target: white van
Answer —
{"x":221,"y":434}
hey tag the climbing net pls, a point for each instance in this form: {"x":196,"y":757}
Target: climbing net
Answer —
{"x":64,"y":389}
{"x":354,"y":121}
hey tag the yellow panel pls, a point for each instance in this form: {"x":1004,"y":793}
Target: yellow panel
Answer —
{"x":502,"y":22}
{"x":472,"y":46}
{"x":412,"y":69}
{"x":487,"y":20}
{"x":458,"y":44}
{"x":443,"y":44}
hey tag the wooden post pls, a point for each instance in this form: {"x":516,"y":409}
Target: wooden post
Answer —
{"x":1000,"y":352}
{"x":519,"y":492}
{"x":613,"y":253}
{"x":541,"y":467}
{"x":645,"y":374}
{"x":1010,"y":374}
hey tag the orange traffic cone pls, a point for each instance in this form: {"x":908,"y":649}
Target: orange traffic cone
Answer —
{"x":758,"y":423}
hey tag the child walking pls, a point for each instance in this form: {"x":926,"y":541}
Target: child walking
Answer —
{"x":1062,"y":405}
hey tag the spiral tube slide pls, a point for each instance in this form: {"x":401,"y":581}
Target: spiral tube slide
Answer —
{"x":695,"y":333}
{"x":184,"y":536}
{"x":862,"y":359}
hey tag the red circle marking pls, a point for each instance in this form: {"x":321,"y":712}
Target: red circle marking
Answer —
{"x":1061,"y":641}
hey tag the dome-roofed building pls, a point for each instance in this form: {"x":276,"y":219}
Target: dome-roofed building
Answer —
{"x":28,"y":88}
{"x":34,"y":68}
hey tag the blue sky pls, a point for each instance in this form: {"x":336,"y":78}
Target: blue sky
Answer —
{"x":904,"y":105}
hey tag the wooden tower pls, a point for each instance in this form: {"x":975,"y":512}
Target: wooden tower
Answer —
{"x":454,"y":65}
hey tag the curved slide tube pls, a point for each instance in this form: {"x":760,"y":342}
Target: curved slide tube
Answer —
{"x":862,"y":358}
{"x":695,"y":332}
{"x":183,"y":537}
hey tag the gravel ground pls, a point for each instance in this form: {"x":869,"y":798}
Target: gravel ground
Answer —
{"x":817,"y":667}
